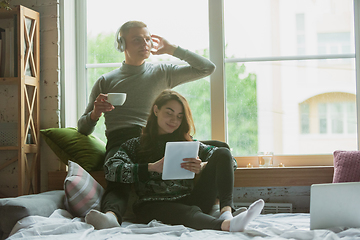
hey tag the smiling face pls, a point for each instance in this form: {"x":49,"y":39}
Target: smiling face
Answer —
{"x":138,"y":45}
{"x":169,"y":116}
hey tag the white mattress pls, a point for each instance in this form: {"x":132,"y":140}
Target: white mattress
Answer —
{"x":61,"y":225}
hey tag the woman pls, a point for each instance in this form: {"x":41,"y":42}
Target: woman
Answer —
{"x":140,"y":161}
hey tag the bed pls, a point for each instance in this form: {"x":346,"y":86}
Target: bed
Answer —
{"x":62,"y":225}
{"x":45,"y":216}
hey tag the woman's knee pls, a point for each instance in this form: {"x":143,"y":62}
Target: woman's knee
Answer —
{"x":194,"y":210}
{"x":222,"y":154}
{"x":189,"y":214}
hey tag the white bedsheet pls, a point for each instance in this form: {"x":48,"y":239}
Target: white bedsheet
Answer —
{"x":61,"y":225}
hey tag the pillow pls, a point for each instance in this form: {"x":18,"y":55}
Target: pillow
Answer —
{"x":69,"y":144}
{"x":14,"y":209}
{"x":82,"y":191}
{"x":346,"y":166}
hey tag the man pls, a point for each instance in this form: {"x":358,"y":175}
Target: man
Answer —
{"x":142,"y":82}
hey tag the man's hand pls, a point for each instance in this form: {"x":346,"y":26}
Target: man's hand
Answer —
{"x":156,"y":166}
{"x":100,"y":106}
{"x":192,"y":164}
{"x":162,"y":46}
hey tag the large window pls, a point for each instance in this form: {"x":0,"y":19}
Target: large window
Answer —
{"x":288,"y":67}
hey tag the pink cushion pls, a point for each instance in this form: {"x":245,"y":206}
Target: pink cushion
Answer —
{"x":82,"y":191}
{"x":346,"y":166}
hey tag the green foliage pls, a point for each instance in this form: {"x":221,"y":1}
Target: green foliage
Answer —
{"x":101,"y":50}
{"x":5,"y":4}
{"x":241,"y":97}
{"x":197,"y":94}
{"x":241,"y":110}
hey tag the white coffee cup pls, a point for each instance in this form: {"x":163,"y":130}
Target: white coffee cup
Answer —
{"x":116,"y":99}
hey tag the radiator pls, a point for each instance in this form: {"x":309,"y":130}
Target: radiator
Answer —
{"x":269,"y":207}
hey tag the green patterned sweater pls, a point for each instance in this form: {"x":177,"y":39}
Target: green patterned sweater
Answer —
{"x":129,"y":165}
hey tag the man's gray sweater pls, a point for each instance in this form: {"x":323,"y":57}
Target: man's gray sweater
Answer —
{"x":142,"y":84}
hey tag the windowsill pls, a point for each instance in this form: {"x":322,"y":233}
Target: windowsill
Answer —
{"x":290,"y":160}
{"x":283,"y":176}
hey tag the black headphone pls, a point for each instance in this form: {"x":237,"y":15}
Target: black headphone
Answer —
{"x":120,"y":42}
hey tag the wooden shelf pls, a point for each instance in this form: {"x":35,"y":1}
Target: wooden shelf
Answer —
{"x":31,"y":81}
{"x":9,"y":81}
{"x":8,"y":148}
{"x":4,"y":14}
{"x":30,"y":148}
{"x":27,"y":66}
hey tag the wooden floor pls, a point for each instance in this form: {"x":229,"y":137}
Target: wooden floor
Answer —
{"x":244,"y":177}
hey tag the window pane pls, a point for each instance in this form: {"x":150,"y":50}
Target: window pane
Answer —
{"x":198,"y":95}
{"x":300,"y":22}
{"x":242,"y":109}
{"x":263,"y":101}
{"x":322,"y":117}
{"x":163,"y":18}
{"x":337,"y":115}
{"x":101,"y":49}
{"x":263,"y":28}
{"x":279,"y":118}
{"x":351,"y":117}
{"x":305,"y":118}
{"x":338,"y":42}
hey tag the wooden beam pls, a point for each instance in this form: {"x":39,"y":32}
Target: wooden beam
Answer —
{"x":283,"y":176}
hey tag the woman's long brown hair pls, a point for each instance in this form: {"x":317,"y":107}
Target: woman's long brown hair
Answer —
{"x":151,"y":131}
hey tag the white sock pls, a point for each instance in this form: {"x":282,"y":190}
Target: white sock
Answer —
{"x":238,"y":223}
{"x":226,"y":215}
{"x":101,"y":220}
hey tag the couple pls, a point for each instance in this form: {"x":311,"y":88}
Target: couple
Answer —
{"x":140,"y":159}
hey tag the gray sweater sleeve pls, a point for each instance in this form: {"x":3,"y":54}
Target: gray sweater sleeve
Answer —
{"x":85,"y":124}
{"x":199,"y":67}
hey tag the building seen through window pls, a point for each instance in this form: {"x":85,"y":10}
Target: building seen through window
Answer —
{"x":303,"y":106}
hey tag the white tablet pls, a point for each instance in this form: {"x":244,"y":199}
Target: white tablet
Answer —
{"x":175,"y":152}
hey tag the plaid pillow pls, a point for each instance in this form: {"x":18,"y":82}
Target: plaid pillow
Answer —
{"x":82,"y":191}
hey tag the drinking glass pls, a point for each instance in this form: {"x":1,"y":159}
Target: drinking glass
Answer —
{"x":265,"y":159}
